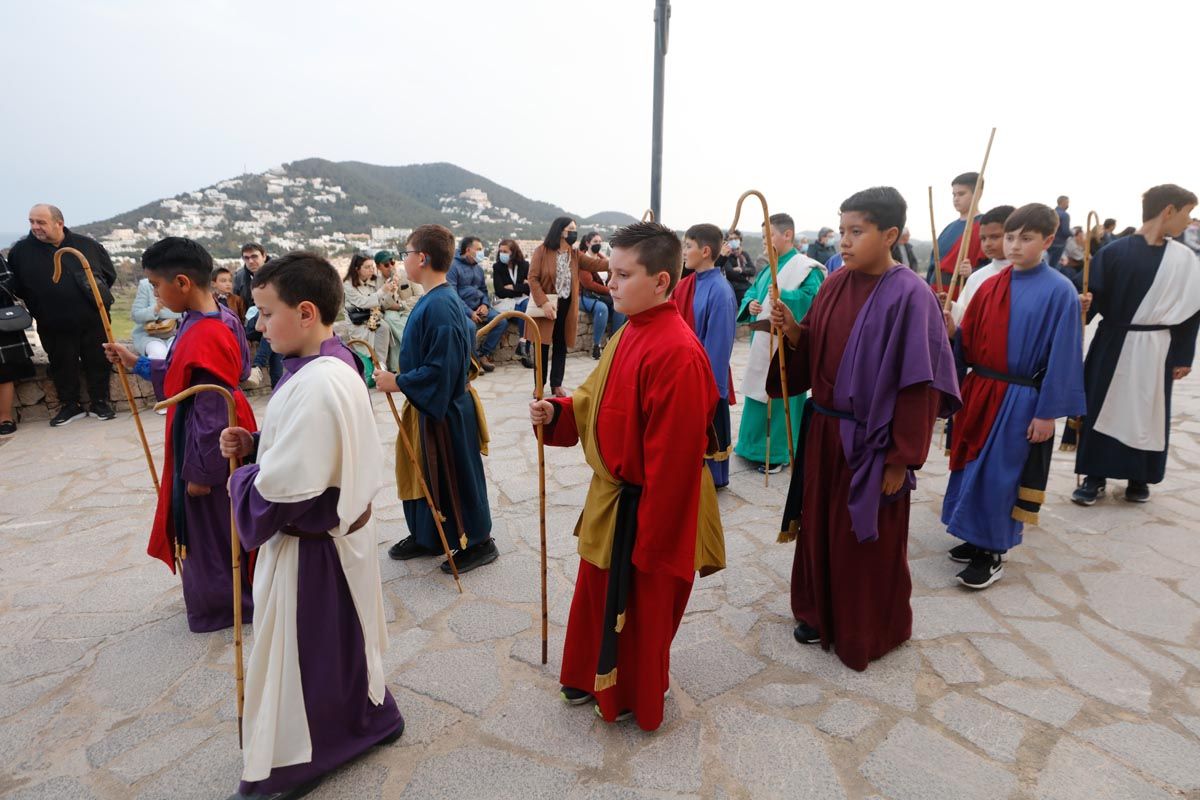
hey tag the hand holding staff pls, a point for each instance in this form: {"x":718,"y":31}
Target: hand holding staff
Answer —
{"x":531,"y":329}
{"x":1087,"y":258}
{"x":964,"y":246}
{"x":235,"y":545}
{"x":416,"y":462}
{"x":91,"y":279}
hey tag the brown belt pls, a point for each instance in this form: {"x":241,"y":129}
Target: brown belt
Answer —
{"x":358,"y":524}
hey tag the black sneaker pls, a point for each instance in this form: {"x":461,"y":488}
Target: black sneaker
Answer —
{"x":624,"y":715}
{"x":474,"y":556}
{"x":963,"y":553}
{"x":1137,"y":492}
{"x":288,"y":794}
{"x":408,"y":548}
{"x":985,"y":569}
{"x":525,"y":353}
{"x":596,"y":352}
{"x":7,"y":428}
{"x":1091,"y":490}
{"x":392,"y":737}
{"x":774,"y":469}
{"x":574,"y":697}
{"x":102,"y":410}
{"x":806,"y":634}
{"x":68,"y":414}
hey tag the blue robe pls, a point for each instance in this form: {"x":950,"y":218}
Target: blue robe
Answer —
{"x":714,"y":316}
{"x":434,"y":361}
{"x":1044,"y":334}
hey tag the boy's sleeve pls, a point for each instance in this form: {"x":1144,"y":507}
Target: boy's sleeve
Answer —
{"x":562,"y":431}
{"x":202,"y":461}
{"x":431,"y":385}
{"x":1062,"y":393}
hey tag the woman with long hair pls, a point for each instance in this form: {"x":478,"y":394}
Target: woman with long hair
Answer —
{"x":364,"y":306}
{"x":510,"y":285}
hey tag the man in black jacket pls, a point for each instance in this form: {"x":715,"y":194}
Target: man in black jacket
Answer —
{"x":67,"y":319}
{"x":254,"y":255}
{"x":737,"y":265}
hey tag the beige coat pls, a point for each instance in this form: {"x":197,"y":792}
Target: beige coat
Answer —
{"x":542,"y":269}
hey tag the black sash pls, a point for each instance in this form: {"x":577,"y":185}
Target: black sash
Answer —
{"x":1034,"y":382}
{"x":1137,"y":328}
{"x":620,"y":572}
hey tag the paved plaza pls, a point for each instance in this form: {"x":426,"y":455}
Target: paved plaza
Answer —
{"x":1077,"y":676}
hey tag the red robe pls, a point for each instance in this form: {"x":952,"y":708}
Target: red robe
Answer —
{"x":950,"y":260}
{"x":856,"y":594}
{"x":652,"y":426}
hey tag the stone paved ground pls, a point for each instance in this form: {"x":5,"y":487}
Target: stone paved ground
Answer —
{"x":1078,"y":676}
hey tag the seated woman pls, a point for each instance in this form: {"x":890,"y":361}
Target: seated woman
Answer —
{"x":595,"y":297}
{"x":154,"y":324}
{"x":510,"y":284}
{"x":364,"y":307}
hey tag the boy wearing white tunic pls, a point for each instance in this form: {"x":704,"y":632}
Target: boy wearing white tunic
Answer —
{"x":1146,"y":288}
{"x":315,"y":692}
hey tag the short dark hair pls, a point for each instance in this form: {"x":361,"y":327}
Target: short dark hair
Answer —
{"x":219,"y":271}
{"x":1157,"y":198}
{"x":250,"y":246}
{"x":466,"y":242}
{"x":1110,"y":223}
{"x":302,"y":276}
{"x":782,"y":223}
{"x":656,"y":247}
{"x":553,"y":238}
{"x":969,"y":179}
{"x":997,"y":215}
{"x":706,"y":235}
{"x":1062,"y":197}
{"x":587,"y":238}
{"x":515,"y":249}
{"x":435,"y":241}
{"x":356,"y":261}
{"x":882,"y":206}
{"x":733,"y":232}
{"x":1036,"y":217}
{"x":176,"y":255}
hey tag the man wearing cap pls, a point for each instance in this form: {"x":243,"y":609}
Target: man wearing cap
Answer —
{"x":396,"y":305}
{"x":822,"y":249}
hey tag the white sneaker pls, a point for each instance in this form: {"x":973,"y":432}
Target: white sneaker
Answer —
{"x":255,"y":378}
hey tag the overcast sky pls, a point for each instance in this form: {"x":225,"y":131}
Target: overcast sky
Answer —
{"x":116,"y":103}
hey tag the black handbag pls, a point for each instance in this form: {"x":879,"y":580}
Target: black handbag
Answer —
{"x":357,"y":316}
{"x":14,"y":318}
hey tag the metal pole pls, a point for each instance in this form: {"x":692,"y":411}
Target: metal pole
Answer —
{"x":662,"y":21}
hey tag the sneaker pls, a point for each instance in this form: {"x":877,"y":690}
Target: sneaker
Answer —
{"x":7,"y":428}
{"x":963,"y":553}
{"x":288,"y":794}
{"x":774,"y":469}
{"x":1091,"y":490}
{"x":68,"y":414}
{"x":985,"y":569}
{"x":596,"y":352}
{"x":408,"y":548}
{"x":255,"y":379}
{"x":574,"y":697}
{"x":1137,"y":492}
{"x":477,"y":555}
{"x":624,"y":715}
{"x":102,"y":410}
{"x":806,"y":634}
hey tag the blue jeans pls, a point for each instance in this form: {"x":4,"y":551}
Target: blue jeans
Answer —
{"x":493,"y":338}
{"x":266,"y":357}
{"x":601,"y":314}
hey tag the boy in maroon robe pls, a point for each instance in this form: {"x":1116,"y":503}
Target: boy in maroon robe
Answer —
{"x":191,"y":523}
{"x":874,"y":351}
{"x":650,"y":521}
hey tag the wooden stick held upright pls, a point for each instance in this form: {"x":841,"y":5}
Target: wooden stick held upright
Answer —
{"x":965,"y":246}
{"x":91,"y":279}
{"x":412,"y":455}
{"x":647,"y":216}
{"x":235,"y":545}
{"x":773,"y":263}
{"x":937,"y":255}
{"x":1087,"y":257}
{"x":531,"y":329}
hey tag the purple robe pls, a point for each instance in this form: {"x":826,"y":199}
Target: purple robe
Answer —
{"x":343,"y":723}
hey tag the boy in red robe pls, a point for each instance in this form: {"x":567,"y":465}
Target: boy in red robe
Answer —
{"x":874,"y":351}
{"x":650,"y":522}
{"x":191,"y":523}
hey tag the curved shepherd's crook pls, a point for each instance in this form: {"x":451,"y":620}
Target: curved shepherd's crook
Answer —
{"x":235,"y":546}
{"x":647,"y":216}
{"x":531,"y":329}
{"x":773,"y":261}
{"x":1087,"y":257}
{"x":965,"y":246}
{"x":412,"y":455}
{"x":91,"y":279}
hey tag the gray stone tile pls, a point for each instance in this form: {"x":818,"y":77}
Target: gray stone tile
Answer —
{"x":846,"y":719}
{"x":484,"y":773}
{"x":125,"y":737}
{"x":22,"y":694}
{"x":362,"y":780}
{"x":997,"y":733}
{"x":935,"y":572}
{"x":424,"y":720}
{"x":1076,"y":772}
{"x":1053,"y":587}
{"x":537,"y":720}
{"x":1141,"y":605}
{"x":953,"y":663}
{"x":710,"y":668}
{"x":773,"y":757}
{"x":1153,"y":749}
{"x":612,"y":791}
{"x":787,"y":695}
{"x":158,"y":654}
{"x":1086,"y":667}
{"x":403,"y":647}
{"x":34,"y":659}
{"x":1009,"y":658}
{"x":1045,"y":705}
{"x":935,"y":617}
{"x":529,"y":650}
{"x":1186,"y":654}
{"x":60,"y":788}
{"x":159,"y":752}
{"x":1139,"y":653}
{"x":478,"y":622}
{"x":1014,"y":600}
{"x":671,"y":762}
{"x":201,"y":688}
{"x":427,"y":595}
{"x":1192,"y":723}
{"x":915,"y":763}
{"x":212,"y":771}
{"x":467,"y":678}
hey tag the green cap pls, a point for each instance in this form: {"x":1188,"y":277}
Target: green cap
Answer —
{"x":384,"y":256}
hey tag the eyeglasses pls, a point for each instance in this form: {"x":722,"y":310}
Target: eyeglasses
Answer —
{"x":407,"y":253}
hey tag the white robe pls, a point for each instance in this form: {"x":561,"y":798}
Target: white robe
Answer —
{"x":791,"y":275}
{"x":958,"y":308}
{"x":319,"y":432}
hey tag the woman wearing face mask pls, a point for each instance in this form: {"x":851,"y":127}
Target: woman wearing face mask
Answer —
{"x":510,"y":285}
{"x":596,"y":299}
{"x":364,"y":298}
{"x":736,"y":264}
{"x":554,"y":286}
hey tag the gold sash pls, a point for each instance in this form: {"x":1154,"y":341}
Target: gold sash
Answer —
{"x":408,"y":484}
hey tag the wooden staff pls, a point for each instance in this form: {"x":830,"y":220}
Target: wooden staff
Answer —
{"x":964,"y":246}
{"x":773,"y":262}
{"x":647,"y":216}
{"x":1087,"y":258}
{"x":412,"y":455}
{"x":91,"y":279}
{"x":937,"y":255}
{"x":531,"y":328}
{"x":235,"y":545}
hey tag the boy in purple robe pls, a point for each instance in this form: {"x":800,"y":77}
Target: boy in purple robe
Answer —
{"x":874,"y":351}
{"x":191,"y":522}
{"x":315,"y":691}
